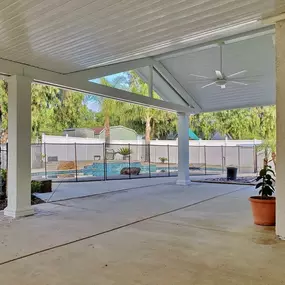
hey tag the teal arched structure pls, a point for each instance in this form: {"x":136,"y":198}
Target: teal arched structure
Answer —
{"x":192,"y":135}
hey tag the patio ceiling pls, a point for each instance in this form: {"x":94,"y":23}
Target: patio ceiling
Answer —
{"x":68,"y":42}
{"x":255,"y":55}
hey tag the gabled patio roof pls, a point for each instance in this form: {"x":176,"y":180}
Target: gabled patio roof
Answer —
{"x":66,"y":43}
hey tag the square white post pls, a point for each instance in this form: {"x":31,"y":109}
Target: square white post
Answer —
{"x":19,"y":155}
{"x":280,"y":126}
{"x":183,"y":149}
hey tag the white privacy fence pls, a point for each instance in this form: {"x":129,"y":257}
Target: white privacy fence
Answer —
{"x":78,"y":159}
{"x":225,"y":155}
{"x":106,"y":162}
{"x":71,"y":140}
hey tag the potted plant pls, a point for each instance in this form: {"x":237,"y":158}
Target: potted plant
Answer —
{"x":163,"y":159}
{"x":263,"y":206}
{"x":125,"y":152}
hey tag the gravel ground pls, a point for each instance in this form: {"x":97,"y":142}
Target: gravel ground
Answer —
{"x":240,"y":180}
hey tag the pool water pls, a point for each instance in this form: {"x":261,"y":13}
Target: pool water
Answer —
{"x":98,"y":169}
{"x":114,"y":168}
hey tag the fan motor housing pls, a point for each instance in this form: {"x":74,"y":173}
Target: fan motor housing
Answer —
{"x":221,"y":82}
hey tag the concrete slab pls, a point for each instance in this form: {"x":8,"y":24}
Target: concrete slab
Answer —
{"x":210,"y":242}
{"x":69,"y":220}
{"x":68,"y":190}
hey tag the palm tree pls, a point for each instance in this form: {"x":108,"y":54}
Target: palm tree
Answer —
{"x":108,"y":106}
{"x":135,"y":113}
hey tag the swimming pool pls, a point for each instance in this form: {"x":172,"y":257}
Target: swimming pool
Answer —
{"x":99,"y":169}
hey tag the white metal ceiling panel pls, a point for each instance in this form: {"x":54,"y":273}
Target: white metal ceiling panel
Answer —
{"x":256,"y":55}
{"x":70,"y":35}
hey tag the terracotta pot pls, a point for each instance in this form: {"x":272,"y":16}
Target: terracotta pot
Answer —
{"x":263,"y":210}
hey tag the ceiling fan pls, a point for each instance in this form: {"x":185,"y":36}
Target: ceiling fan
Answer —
{"x":221,"y":80}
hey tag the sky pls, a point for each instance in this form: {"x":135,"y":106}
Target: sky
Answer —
{"x":94,"y":106}
{"x":119,"y":79}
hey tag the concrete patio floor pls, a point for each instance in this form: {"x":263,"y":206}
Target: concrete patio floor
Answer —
{"x":69,"y":190}
{"x":154,"y":234}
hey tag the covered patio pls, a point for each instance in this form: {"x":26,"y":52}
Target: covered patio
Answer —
{"x":199,"y":56}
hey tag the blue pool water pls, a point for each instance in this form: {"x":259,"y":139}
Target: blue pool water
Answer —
{"x":112,"y":168}
{"x":97,"y":168}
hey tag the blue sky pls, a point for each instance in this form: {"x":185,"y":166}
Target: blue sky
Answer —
{"x":94,"y":106}
{"x":113,"y":79}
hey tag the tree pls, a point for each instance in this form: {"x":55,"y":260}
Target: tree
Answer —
{"x":135,"y":114}
{"x":153,"y":122}
{"x":44,"y":106}
{"x":110,"y":108}
{"x":204,"y":125}
{"x":73,"y":113}
{"x":4,"y":111}
{"x":43,"y":101}
{"x":248,"y":123}
{"x":52,"y":109}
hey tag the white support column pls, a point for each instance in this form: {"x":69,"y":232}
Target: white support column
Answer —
{"x":183,"y":149}
{"x":19,"y":139}
{"x":280,"y":126}
{"x":150,"y":82}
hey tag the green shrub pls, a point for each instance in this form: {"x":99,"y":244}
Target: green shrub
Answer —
{"x":36,"y":186}
{"x":163,"y":159}
{"x":125,"y":151}
{"x":3,"y":186}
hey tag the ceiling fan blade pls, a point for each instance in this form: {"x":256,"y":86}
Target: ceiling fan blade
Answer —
{"x":200,"y":76}
{"x":237,"y":82}
{"x":223,"y":86}
{"x":237,"y":73}
{"x":208,"y":84}
{"x":219,"y":74}
{"x":245,"y":80}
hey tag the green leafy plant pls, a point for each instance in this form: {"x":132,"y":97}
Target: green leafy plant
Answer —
{"x":3,"y":190}
{"x":125,"y":151}
{"x":36,"y":186}
{"x":266,"y":184}
{"x":163,"y":159}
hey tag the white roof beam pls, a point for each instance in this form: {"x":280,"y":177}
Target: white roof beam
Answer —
{"x":78,"y":84}
{"x":167,"y":93}
{"x":98,"y":72}
{"x":168,"y":77}
{"x":150,"y":82}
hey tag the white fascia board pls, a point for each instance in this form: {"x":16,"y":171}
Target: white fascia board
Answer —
{"x":63,"y":81}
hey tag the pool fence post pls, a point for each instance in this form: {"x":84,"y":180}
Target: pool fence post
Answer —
{"x":149,"y":170}
{"x":75,"y":157}
{"x":130,"y":161}
{"x":205,"y":159}
{"x":105,"y":162}
{"x":45,"y":161}
{"x":168,"y":163}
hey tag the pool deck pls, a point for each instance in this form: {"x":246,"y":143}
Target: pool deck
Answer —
{"x":150,"y":234}
{"x":69,"y":190}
